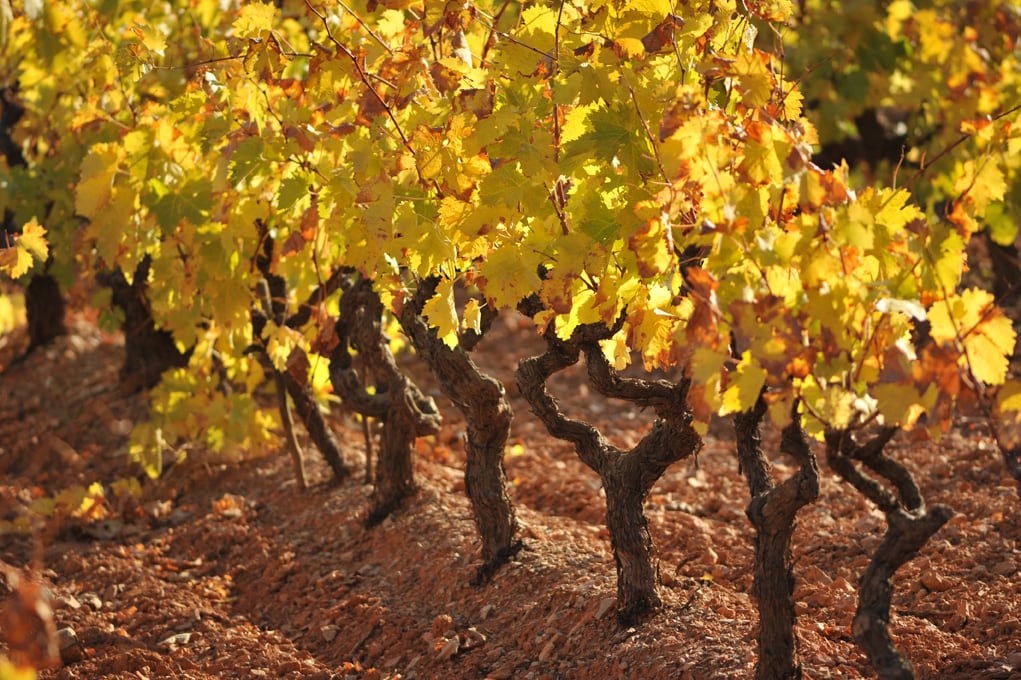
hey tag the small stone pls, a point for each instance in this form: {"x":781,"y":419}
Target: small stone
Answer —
{"x":962,"y":614}
{"x":176,"y":640}
{"x":473,"y":638}
{"x":935,"y":583}
{"x":67,"y":643}
{"x":329,"y":632}
{"x":450,"y":649}
{"x":1005,"y":568}
{"x":604,"y":606}
{"x":1014,"y":660}
{"x":842,"y":584}
{"x":92,"y":600}
{"x":486,"y":611}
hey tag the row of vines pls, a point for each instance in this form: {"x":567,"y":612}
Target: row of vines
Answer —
{"x":774,"y":203}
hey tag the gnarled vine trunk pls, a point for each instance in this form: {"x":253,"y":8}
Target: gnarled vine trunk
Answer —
{"x":44,"y":310}
{"x":909,"y":527}
{"x":148,"y":350}
{"x":483,"y":402}
{"x":772,"y":511}
{"x":405,"y":413}
{"x":627,"y":486}
{"x":627,"y":476}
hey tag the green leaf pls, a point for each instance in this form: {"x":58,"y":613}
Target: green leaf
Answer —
{"x":191,"y":201}
{"x":291,"y":189}
{"x":247,"y":156}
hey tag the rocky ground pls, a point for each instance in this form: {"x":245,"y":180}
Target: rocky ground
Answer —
{"x":233,"y":571}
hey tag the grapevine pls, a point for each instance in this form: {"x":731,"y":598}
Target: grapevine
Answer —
{"x":273,"y":193}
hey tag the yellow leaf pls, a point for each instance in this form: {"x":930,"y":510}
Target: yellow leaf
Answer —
{"x":33,"y":239}
{"x":744,"y":386}
{"x":1008,"y":398}
{"x":834,"y":405}
{"x":8,"y":671}
{"x":899,"y":404}
{"x":897,"y":13}
{"x":15,"y":262}
{"x":511,"y":274}
{"x":651,"y":246}
{"x":1008,"y":413}
{"x":280,"y":342}
{"x":151,"y":38}
{"x":629,"y":48}
{"x":755,"y":82}
{"x":895,"y":211}
{"x":98,"y":170}
{"x":989,"y":348}
{"x":981,"y":185}
{"x":793,"y":102}
{"x":472,"y":316}
{"x":441,"y":314}
{"x":987,"y":335}
{"x":390,"y":23}
{"x":253,"y":19}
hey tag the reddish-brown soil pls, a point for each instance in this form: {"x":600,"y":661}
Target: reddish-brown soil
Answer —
{"x":233,"y":571}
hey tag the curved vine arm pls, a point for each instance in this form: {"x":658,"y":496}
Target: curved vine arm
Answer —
{"x":531,"y":377}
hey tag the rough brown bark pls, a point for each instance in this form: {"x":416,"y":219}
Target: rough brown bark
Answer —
{"x":1006,"y":270}
{"x":483,"y":402}
{"x":44,"y":309}
{"x":909,"y":527}
{"x":627,"y":476}
{"x":906,"y":534}
{"x":772,"y":511}
{"x":148,"y":351}
{"x":405,"y":413}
